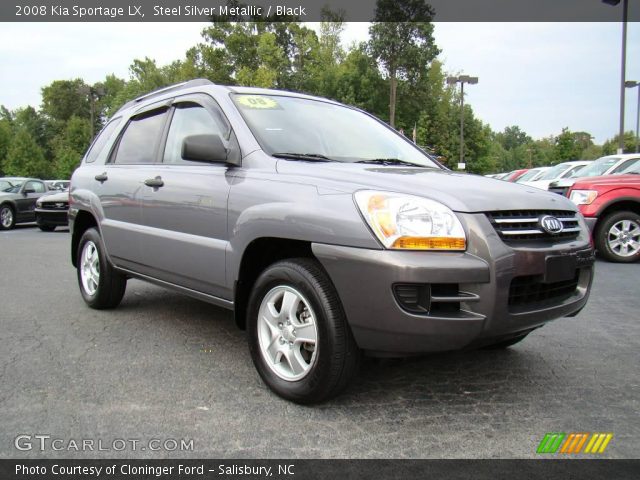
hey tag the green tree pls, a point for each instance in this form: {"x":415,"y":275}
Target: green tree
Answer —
{"x":401,"y":40}
{"x":70,"y":145}
{"x":63,"y":99}
{"x":25,"y":157}
{"x":513,"y":137}
{"x":6,"y":135}
{"x":610,"y":147}
{"x":568,"y":146}
{"x":41,"y":128}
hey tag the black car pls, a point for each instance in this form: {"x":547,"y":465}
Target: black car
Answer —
{"x":17,"y":203}
{"x":51,"y":211}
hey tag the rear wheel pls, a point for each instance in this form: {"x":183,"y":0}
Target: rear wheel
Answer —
{"x":7,"y":217}
{"x":100,"y":285}
{"x":299,"y":338}
{"x":618,"y":237}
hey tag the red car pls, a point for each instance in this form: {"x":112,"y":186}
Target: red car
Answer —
{"x":611,"y":207}
{"x":515,"y":175}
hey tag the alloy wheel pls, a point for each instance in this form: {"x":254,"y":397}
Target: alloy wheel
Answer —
{"x":287,"y":333}
{"x":90,"y":268}
{"x":624,"y":238}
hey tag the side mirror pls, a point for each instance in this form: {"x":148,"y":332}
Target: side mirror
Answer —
{"x":204,"y":148}
{"x":27,"y":191}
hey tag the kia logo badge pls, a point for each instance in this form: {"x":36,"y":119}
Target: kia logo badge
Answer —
{"x":551,"y":224}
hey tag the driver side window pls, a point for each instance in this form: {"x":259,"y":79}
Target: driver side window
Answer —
{"x":38,"y":187}
{"x":188,"y":119}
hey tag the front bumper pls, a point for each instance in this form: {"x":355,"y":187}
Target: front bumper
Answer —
{"x":483,"y":275}
{"x":58,"y":218}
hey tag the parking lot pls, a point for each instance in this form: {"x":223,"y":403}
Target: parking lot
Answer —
{"x":166,"y":366}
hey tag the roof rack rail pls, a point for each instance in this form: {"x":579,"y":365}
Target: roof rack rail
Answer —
{"x":178,"y":86}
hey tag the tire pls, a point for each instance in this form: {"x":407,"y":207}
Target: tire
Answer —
{"x":7,"y":217}
{"x":617,"y":237}
{"x":101,"y":287}
{"x":324,"y":366}
{"x":506,"y":343}
{"x":46,"y":228}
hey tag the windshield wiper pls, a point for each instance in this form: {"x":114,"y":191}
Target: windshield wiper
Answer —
{"x":389,"y":161}
{"x":312,"y":157}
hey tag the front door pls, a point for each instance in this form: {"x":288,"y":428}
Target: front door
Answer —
{"x":25,"y":206}
{"x":184,"y":206}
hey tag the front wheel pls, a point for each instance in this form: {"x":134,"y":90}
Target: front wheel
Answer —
{"x":299,"y":338}
{"x":7,"y":218}
{"x":618,"y":237}
{"x":100,"y":285}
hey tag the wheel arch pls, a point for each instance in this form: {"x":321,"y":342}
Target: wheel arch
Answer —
{"x":258,"y":255}
{"x":619,"y":204}
{"x":82,"y":222}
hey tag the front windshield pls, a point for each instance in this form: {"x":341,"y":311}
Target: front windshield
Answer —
{"x":14,"y":189}
{"x":554,"y":172}
{"x":596,"y":168}
{"x":286,"y":125}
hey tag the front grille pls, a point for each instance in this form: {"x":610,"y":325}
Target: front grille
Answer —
{"x":530,"y":290}
{"x":559,"y":190}
{"x":55,"y":205}
{"x":517,"y":226}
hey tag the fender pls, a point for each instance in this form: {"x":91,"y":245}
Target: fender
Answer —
{"x":296,"y":212}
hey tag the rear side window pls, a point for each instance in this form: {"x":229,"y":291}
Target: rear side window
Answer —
{"x":188,"y":119}
{"x":98,"y":148}
{"x":139,"y":142}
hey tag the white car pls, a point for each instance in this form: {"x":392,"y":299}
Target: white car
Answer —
{"x":562,"y":170}
{"x":609,"y":165}
{"x":532,"y":175}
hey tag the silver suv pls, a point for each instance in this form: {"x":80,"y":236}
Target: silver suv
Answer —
{"x":325,"y":231}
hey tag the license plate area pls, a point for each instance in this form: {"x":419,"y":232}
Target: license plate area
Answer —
{"x":560,"y":268}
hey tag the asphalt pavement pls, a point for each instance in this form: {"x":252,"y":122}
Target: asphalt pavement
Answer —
{"x":166,"y":367}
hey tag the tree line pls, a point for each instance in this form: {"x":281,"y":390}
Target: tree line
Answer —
{"x":395,"y":75}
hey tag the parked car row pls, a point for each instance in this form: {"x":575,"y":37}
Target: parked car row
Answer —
{"x":24,"y":200}
{"x":607,"y":193}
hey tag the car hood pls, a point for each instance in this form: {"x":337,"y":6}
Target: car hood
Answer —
{"x":55,"y":197}
{"x":459,"y":191}
{"x":613,"y":180}
{"x":540,"y":184}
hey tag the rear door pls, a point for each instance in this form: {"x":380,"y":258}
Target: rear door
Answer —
{"x":184,"y":216}
{"x":120,"y":184}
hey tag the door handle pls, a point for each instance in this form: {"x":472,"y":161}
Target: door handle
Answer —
{"x":102,"y":177}
{"x":154,"y":182}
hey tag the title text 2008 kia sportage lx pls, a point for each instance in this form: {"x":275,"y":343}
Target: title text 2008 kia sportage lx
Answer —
{"x":324,"y":230}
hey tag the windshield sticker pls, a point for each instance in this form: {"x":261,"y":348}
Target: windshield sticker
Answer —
{"x":258,"y":102}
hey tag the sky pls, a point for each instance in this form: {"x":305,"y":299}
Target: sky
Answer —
{"x":539,"y":76}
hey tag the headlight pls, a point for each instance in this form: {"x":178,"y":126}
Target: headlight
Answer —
{"x":583,"y":197}
{"x":408,"y":222}
{"x":38,"y":203}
